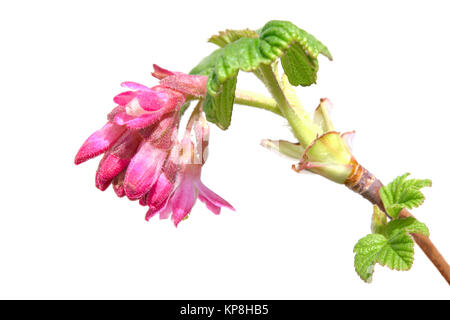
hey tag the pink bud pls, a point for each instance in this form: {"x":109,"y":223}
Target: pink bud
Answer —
{"x":160,"y":191}
{"x":99,"y":142}
{"x":117,"y":158}
{"x":143,"y":170}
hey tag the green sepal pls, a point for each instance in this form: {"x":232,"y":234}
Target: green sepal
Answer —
{"x":329,"y":156}
{"x":322,"y":116}
{"x":402,"y":193}
{"x":285,"y":148}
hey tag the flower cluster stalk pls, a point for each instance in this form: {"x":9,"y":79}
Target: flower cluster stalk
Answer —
{"x":302,"y":126}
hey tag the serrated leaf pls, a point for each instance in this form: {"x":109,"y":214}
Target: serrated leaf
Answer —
{"x":300,"y":68}
{"x":299,"y":51}
{"x":219,"y":109}
{"x":402,"y":193}
{"x":396,"y":252}
{"x":366,"y":251}
{"x":409,"y":225}
{"x":229,"y":36}
{"x":205,"y":66}
{"x":248,"y":53}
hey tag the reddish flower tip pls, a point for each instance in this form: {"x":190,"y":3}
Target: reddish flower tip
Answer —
{"x":161,"y":73}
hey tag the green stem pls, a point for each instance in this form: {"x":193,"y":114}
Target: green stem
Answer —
{"x":257,"y":100}
{"x":302,"y":126}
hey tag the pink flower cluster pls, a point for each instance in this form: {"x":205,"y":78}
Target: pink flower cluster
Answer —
{"x":143,"y":158}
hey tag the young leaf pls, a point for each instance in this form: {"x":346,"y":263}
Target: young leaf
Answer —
{"x":229,"y":36}
{"x":409,"y":225}
{"x":396,"y":252}
{"x":219,"y":109}
{"x":379,"y":221}
{"x":299,"y":51}
{"x":243,"y":51}
{"x":402,"y":193}
{"x":300,"y":68}
{"x":205,"y":66}
{"x":366,"y":251}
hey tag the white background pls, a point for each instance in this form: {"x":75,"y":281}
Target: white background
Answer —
{"x":292,"y":235}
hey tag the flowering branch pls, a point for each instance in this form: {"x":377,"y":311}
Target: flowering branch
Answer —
{"x":144,"y":160}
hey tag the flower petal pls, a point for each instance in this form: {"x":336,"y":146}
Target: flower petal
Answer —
{"x":124,"y":98}
{"x":183,"y":200}
{"x":139,"y":122}
{"x":212,"y":197}
{"x":211,"y":206}
{"x":99,"y":142}
{"x":134,"y":86}
{"x":152,"y":100}
{"x":163,"y":211}
{"x":114,"y":112}
{"x":143,"y":170}
{"x":160,"y":191}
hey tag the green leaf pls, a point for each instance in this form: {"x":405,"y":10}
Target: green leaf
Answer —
{"x":300,"y":68}
{"x":229,"y":36}
{"x":379,"y":221}
{"x":219,"y":109}
{"x":402,"y":193}
{"x":366,"y":251}
{"x":409,"y":225}
{"x":242,"y":50}
{"x":205,"y":66}
{"x":299,"y":51}
{"x":396,"y":252}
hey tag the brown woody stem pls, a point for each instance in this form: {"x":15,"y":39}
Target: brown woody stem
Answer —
{"x":367,"y":185}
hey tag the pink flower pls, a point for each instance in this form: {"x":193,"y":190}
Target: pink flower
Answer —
{"x":146,"y":106}
{"x":192,"y":86}
{"x":143,"y":159}
{"x":189,"y":186}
